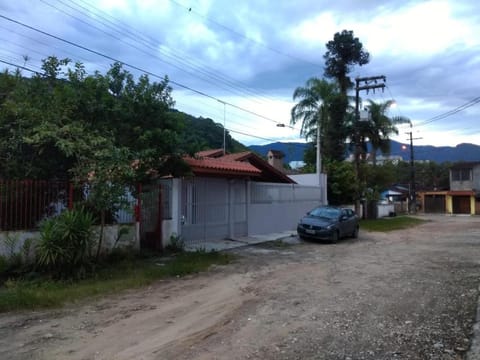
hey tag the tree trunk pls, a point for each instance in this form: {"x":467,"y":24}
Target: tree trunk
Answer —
{"x":100,"y":238}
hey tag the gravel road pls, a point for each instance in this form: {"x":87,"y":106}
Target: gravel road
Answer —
{"x":408,"y":294}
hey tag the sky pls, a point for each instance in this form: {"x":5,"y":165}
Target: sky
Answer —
{"x":239,"y":62}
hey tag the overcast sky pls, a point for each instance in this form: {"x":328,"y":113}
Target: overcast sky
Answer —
{"x":239,"y":62}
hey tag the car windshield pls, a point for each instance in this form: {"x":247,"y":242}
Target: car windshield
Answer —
{"x":325,"y":212}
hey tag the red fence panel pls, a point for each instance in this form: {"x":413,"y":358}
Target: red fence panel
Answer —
{"x":24,"y":203}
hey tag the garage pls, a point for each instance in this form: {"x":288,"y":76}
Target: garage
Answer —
{"x":435,"y":204}
{"x":461,"y":204}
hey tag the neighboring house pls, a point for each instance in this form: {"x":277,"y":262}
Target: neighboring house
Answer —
{"x":463,"y":196}
{"x":275,"y":158}
{"x":229,"y":196}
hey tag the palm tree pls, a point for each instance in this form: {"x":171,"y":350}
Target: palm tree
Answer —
{"x":380,"y":127}
{"x":312,"y":108}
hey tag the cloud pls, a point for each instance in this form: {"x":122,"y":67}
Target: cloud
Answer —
{"x":255,"y":53}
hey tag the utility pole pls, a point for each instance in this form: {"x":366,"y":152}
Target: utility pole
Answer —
{"x":412,"y":203}
{"x":362,"y":83}
{"x":224,"y":120}
{"x":319,"y":155}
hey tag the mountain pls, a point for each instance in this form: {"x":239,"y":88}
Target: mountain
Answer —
{"x":439,"y":154}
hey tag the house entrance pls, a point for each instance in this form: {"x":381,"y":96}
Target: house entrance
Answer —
{"x":150,"y":214}
{"x":213,"y":209}
{"x":435,"y":204}
{"x":461,"y":204}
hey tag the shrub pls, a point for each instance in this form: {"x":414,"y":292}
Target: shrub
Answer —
{"x":176,"y":244}
{"x":66,"y":242}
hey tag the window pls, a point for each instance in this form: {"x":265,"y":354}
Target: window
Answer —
{"x":464,"y":174}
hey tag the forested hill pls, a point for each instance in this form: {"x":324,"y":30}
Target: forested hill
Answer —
{"x":203,"y":133}
{"x":438,"y":154}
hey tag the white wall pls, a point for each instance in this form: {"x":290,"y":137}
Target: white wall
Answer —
{"x":276,"y":217}
{"x":313,"y":180}
{"x":384,"y":210}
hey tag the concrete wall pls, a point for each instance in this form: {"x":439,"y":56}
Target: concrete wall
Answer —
{"x":313,"y":180}
{"x":385,"y":210}
{"x":276,"y":217}
{"x":467,"y":185}
{"x":110,"y":235}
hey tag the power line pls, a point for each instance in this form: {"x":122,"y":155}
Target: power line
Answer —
{"x":135,"y":68}
{"x":19,"y":66}
{"x":124,"y":30}
{"x":230,"y":130}
{"x":451,"y":112}
{"x":236,"y":33}
{"x":250,"y":135}
{"x":196,"y":72}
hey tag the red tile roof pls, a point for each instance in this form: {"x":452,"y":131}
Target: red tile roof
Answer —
{"x":244,"y":164}
{"x":221,"y":166}
{"x":237,"y":156}
{"x":210,"y":153}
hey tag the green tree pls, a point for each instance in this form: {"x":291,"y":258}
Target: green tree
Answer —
{"x":313,"y":110}
{"x":343,"y":52}
{"x":379,"y":128}
{"x":341,"y":182}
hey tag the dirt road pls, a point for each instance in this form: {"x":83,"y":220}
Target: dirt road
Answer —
{"x":402,"y":295}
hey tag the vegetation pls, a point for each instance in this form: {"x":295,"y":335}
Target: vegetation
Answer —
{"x":325,"y":103}
{"x":130,"y":273}
{"x":61,"y":121}
{"x":65,"y":246}
{"x":343,"y":52}
{"x":379,"y":128}
{"x":314,"y":111}
{"x":390,"y":224}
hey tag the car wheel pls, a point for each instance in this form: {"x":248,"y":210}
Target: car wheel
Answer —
{"x":335,"y":237}
{"x":355,"y":232}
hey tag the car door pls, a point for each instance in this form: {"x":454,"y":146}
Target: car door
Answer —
{"x":347,"y":223}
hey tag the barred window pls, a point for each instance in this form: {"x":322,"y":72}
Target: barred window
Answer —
{"x":464,"y":174}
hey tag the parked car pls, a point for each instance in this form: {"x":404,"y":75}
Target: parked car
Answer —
{"x":328,"y":223}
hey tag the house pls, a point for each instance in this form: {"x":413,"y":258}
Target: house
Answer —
{"x":275,"y":158}
{"x":229,"y":196}
{"x":463,"y":196}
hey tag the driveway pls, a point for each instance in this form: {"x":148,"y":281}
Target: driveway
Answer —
{"x":402,"y":295}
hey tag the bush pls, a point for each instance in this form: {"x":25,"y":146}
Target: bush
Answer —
{"x":66,"y":243}
{"x":176,"y":244}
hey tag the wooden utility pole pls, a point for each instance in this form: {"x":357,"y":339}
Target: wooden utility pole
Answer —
{"x":362,"y":83}
{"x":412,"y":201}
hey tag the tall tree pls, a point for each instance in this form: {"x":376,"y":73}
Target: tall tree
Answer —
{"x":313,"y":110}
{"x":343,"y":52}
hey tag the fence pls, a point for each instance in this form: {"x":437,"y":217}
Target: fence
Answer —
{"x":25,"y":203}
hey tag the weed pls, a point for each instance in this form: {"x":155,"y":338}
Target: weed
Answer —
{"x":176,"y":244}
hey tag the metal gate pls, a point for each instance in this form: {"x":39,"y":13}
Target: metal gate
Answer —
{"x":213,"y":209}
{"x":461,"y":204}
{"x":435,"y":204}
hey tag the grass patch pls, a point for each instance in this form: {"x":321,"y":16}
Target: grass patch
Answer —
{"x":391,"y":224}
{"x":128,"y":274}
{"x":275,"y":244}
